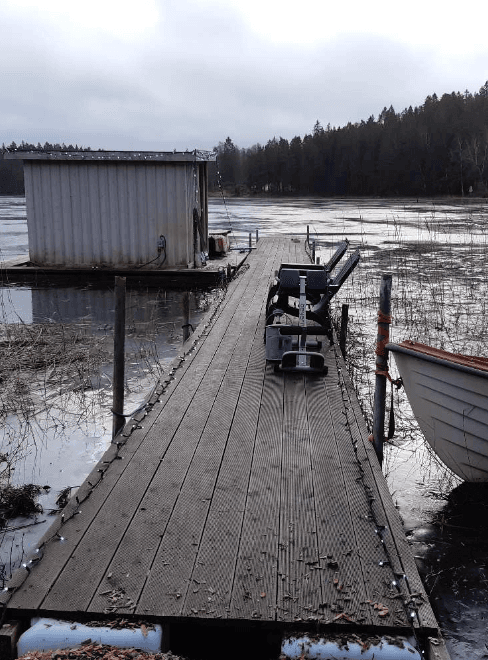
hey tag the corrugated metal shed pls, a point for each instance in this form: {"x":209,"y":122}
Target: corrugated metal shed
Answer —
{"x":110,"y":209}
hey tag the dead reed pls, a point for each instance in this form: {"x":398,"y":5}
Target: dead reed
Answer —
{"x":56,"y":386}
{"x":56,"y":377}
{"x":39,"y":360}
{"x":47,"y":371}
{"x":439,"y":297}
{"x":19,"y":501}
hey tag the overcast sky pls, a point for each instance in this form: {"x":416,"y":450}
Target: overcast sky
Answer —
{"x":185,"y":74}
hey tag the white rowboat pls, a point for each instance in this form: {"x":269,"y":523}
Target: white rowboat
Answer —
{"x":448,"y":394}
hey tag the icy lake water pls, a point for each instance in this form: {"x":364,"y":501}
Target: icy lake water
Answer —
{"x":437,"y":252}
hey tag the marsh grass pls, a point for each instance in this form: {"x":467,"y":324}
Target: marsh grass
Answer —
{"x":56,"y":389}
{"x":48,"y":371}
{"x":19,"y":501}
{"x":439,"y":297}
{"x":57,"y":375}
{"x":39,"y":360}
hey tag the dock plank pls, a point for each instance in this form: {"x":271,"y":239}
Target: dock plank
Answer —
{"x":299,"y":589}
{"x":256,"y":570}
{"x":342,"y":574}
{"x":213,"y":572}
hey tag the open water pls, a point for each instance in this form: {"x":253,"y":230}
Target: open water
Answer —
{"x":437,"y":251}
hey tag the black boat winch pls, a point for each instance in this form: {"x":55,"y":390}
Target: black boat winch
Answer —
{"x":311,"y":287}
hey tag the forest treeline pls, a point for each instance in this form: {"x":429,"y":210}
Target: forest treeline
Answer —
{"x":12,"y":171}
{"x":439,"y":148}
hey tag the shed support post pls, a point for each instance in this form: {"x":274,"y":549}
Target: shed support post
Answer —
{"x":197,"y":260}
{"x":204,"y":202}
{"x":119,"y":357}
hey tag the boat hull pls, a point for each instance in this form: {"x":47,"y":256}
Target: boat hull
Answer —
{"x":450,"y":402}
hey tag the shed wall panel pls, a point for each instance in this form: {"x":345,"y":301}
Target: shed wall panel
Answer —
{"x":66,"y":202}
{"x":30,"y":194}
{"x":84,"y":214}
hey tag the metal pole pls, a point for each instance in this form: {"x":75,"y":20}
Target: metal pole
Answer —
{"x":313,"y":252}
{"x":308,"y":235}
{"x":119,"y":358}
{"x":384,"y":321}
{"x":343,"y":330}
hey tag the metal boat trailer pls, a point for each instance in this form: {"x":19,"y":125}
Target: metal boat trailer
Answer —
{"x":304,"y":291}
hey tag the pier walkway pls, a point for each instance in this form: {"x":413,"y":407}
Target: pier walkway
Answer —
{"x":243,"y":495}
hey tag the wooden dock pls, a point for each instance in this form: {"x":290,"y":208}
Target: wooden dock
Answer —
{"x":22,"y":270}
{"x":244,"y":495}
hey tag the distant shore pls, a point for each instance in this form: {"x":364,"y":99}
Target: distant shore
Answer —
{"x":229,"y":194}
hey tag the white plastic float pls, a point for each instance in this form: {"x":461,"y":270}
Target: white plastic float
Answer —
{"x":392,"y":648}
{"x":51,"y":634}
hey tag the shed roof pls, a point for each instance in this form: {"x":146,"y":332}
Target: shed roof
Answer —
{"x":162,"y":156}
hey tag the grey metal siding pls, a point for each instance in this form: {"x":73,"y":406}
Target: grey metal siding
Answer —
{"x":105,"y":213}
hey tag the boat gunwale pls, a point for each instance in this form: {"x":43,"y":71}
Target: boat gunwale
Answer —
{"x":448,"y":363}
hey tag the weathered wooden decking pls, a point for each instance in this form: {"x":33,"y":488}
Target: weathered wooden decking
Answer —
{"x":243,"y":494}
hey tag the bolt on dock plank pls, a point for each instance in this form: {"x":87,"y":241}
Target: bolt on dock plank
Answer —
{"x":245,"y":495}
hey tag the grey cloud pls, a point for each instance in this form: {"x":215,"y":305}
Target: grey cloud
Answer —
{"x":201,"y":77}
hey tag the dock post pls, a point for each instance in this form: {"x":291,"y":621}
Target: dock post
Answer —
{"x":308,"y":235}
{"x":257,"y":236}
{"x":343,"y":329}
{"x":384,"y":320}
{"x":250,"y":240}
{"x":119,"y":357}
{"x":313,"y":252}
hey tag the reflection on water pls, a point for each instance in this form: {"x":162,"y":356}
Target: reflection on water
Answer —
{"x":452,"y":552}
{"x":13,"y":227}
{"x":437,"y":252}
{"x":15,"y":304}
